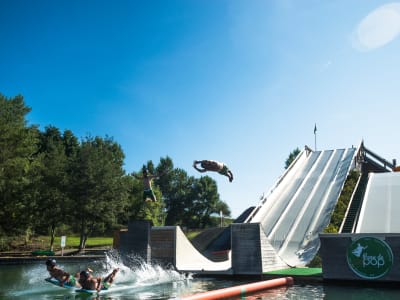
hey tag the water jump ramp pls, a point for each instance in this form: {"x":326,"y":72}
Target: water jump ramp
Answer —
{"x":283,"y":228}
{"x":300,"y":205}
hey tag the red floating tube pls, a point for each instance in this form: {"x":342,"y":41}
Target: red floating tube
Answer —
{"x":241,"y":290}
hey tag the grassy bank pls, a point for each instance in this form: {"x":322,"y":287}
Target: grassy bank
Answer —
{"x":43,"y":243}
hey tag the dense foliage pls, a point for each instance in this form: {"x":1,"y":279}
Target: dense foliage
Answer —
{"x":292,"y":156}
{"x":50,"y":181}
{"x":343,"y":202}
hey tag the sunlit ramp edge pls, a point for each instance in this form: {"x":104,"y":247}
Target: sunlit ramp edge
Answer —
{"x":188,"y":259}
{"x":268,"y":200}
{"x":379,"y":211}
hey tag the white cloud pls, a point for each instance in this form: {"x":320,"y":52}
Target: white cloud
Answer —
{"x":378,"y":28}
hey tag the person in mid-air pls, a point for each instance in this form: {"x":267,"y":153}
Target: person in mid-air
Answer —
{"x":212,"y":165}
{"x":88,"y":282}
{"x":59,"y":274}
{"x":148,"y":193}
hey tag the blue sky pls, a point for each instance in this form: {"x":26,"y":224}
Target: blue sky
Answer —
{"x":242,"y":82}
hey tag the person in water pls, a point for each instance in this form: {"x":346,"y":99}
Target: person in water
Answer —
{"x":59,"y":274}
{"x":215,"y":166}
{"x":89,"y":282}
{"x":148,"y":193}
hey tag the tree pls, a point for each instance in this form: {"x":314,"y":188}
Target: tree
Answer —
{"x":143,"y":210}
{"x":204,"y":203}
{"x":177,"y":194}
{"x":98,"y":187}
{"x":188,"y":201}
{"x":17,"y":165}
{"x":52,"y":206}
{"x":292,"y":157}
{"x":71,"y":144}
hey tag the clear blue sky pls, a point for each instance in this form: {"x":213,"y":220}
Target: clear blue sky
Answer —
{"x":242,"y":82}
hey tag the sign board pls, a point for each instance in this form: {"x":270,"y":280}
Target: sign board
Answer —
{"x":63,"y":240}
{"x":369,"y":257}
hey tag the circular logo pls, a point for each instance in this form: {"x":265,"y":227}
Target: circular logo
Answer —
{"x":369,"y":257}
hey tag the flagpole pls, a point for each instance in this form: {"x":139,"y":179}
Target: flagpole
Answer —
{"x":315,"y":137}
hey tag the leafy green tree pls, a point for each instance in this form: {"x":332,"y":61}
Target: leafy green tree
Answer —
{"x":174,"y":184}
{"x":71,"y":144}
{"x":17,"y":166}
{"x":189,"y":201}
{"x":48,"y":179}
{"x":98,"y":187}
{"x":178,"y":195}
{"x":140,"y":209}
{"x":205,"y":202}
{"x":292,"y":157}
{"x":52,"y":206}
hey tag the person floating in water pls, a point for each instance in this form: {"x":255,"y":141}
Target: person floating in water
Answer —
{"x":148,"y":193}
{"x":59,"y":274}
{"x":215,"y":166}
{"x":88,"y":282}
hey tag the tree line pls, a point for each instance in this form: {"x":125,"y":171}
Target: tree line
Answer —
{"x":51,"y":181}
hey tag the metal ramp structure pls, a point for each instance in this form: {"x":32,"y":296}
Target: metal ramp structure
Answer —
{"x":301,"y":203}
{"x":370,"y":228}
{"x":371,"y":165}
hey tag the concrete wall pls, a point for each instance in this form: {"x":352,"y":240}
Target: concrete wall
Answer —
{"x":252,"y":253}
{"x":136,"y":241}
{"x":162,"y":241}
{"x":246,"y":249}
{"x":337,"y":253}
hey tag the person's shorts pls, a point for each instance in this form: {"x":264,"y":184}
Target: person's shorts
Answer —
{"x":148,"y":194}
{"x":224,"y":170}
{"x":105,"y":285}
{"x":71,"y":281}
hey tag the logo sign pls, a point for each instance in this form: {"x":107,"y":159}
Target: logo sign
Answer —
{"x":369,"y":257}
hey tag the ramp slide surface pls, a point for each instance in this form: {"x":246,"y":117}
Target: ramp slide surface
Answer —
{"x":189,"y":259}
{"x":379,"y":211}
{"x":300,"y":205}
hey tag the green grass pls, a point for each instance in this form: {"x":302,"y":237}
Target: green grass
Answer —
{"x":192,"y":234}
{"x":43,"y":243}
{"x":73,"y":241}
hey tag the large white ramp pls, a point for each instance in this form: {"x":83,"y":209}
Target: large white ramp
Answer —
{"x":381,"y":205}
{"x":188,"y":259}
{"x":291,"y":216}
{"x":300,"y":205}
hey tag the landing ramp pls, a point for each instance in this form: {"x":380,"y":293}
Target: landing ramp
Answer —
{"x":379,"y":211}
{"x":189,"y":259}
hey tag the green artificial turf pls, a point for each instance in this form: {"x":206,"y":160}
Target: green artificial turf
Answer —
{"x":297,"y":272}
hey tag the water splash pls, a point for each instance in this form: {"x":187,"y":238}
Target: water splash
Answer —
{"x":133,"y":269}
{"x":134,"y":277}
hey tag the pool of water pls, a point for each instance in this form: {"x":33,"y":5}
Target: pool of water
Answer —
{"x":154,"y":282}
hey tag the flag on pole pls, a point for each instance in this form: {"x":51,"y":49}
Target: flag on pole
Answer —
{"x":315,"y":136}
